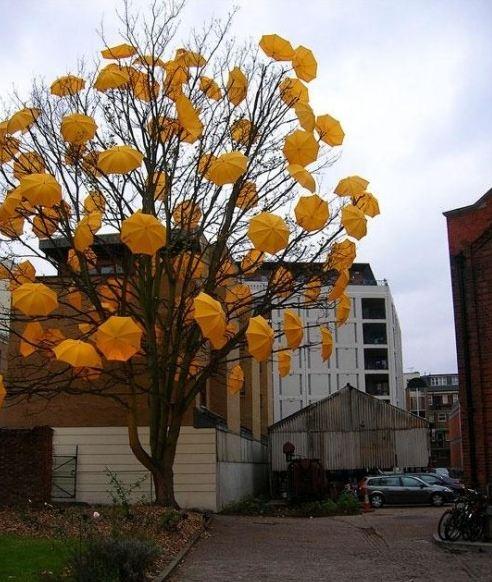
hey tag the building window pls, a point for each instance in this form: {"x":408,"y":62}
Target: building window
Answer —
{"x":377,"y":384}
{"x":373,"y":308}
{"x":445,"y":399}
{"x":454,"y":380}
{"x":374,"y":333}
{"x":455,"y":398}
{"x":375,"y":359}
{"x":442,"y":416}
{"x":429,"y":400}
{"x":430,"y":417}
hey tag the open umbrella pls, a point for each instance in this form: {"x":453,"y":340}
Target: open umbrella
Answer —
{"x":188,"y":116}
{"x":111,"y":77}
{"x":293,"y":91}
{"x":159,"y":182}
{"x":342,"y":255}
{"x":354,"y":221}
{"x":302,"y":176}
{"x":305,"y":115}
{"x":78,"y":129}
{"x":312,"y":290}
{"x":304,"y":64}
{"x":94,"y":201}
{"x":259,"y":336}
{"x":11,"y":226}
{"x":284,"y":363}
{"x":276,"y":47}
{"x":227,"y":168}
{"x":85,"y":230}
{"x":329,"y":130}
{"x":34,"y":299}
{"x":326,"y":343}
{"x":187,"y":214}
{"x":28,"y":163}
{"x":120,"y":51}
{"x":9,"y":146}
{"x":251,"y":261}
{"x":3,"y":391}
{"x":340,"y":285}
{"x":118,"y":338}
{"x":24,"y":272}
{"x":368,"y":203}
{"x":210,"y":88}
{"x":67,"y":85}
{"x":235,"y":379}
{"x":119,"y":160}
{"x":351,"y":186}
{"x":238,"y":297}
{"x":282,"y":282}
{"x":247,"y":197}
{"x":188,"y":265}
{"x":300,"y":148}
{"x":74,"y":299}
{"x":189,"y":58}
{"x":237,"y":86}
{"x":41,"y":189}
{"x":343,"y":309}
{"x":205,"y":162}
{"x":45,"y":223}
{"x":31,"y":338}
{"x":78,"y":354}
{"x":268,"y":232}
{"x":143,"y":233}
{"x":293,"y":328}
{"x":312,"y":212}
{"x":209,"y":315}
{"x":23,"y":119}
{"x":242,"y":130}
{"x":148,"y":61}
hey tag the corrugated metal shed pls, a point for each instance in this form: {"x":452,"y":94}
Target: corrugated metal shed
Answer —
{"x":352,"y":430}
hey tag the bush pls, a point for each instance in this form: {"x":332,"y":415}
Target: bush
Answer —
{"x":248,"y":506}
{"x":347,"y":503}
{"x":322,"y":508}
{"x":113,"y":560}
{"x":170,"y":520}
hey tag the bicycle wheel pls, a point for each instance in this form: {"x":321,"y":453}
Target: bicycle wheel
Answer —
{"x":445,"y":517}
{"x":475,"y":529}
{"x":452,"y":527}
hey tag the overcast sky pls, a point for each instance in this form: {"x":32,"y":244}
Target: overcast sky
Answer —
{"x":410,"y":82}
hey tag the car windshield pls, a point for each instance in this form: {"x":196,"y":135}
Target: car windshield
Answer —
{"x":429,"y":478}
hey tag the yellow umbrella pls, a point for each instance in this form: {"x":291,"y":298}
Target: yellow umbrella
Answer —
{"x":237,"y":86}
{"x":164,"y":128}
{"x":247,"y":197}
{"x":74,"y":299}
{"x":28,"y":163}
{"x":351,"y":186}
{"x":142,"y":85}
{"x":305,"y":115}
{"x":235,"y":379}
{"x":67,"y":85}
{"x":282,"y":282}
{"x":11,"y":226}
{"x":340,"y":285}
{"x":78,"y":354}
{"x":210,"y":88}
{"x":111,"y":77}
{"x":45,"y":223}
{"x":238,"y":297}
{"x":149,"y":61}
{"x":188,"y":265}
{"x":312,"y":290}
{"x":187,"y":214}
{"x":259,"y":336}
{"x":118,"y":338}
{"x":188,"y":116}
{"x":284,"y":363}
{"x":3,"y":391}
{"x":94,"y":201}
{"x":23,"y":119}
{"x":329,"y":130}
{"x":312,"y":212}
{"x":78,"y":129}
{"x":304,"y":64}
{"x":342,"y":255}
{"x":268,"y":232}
{"x":227,"y":168}
{"x":354,"y":221}
{"x":226,"y":271}
{"x":24,"y":272}
{"x":209,"y":315}
{"x":120,"y":51}
{"x":276,"y":47}
{"x":300,"y":148}
{"x":251,"y":261}
{"x":189,"y":58}
{"x":292,"y":91}
{"x":119,"y":160}
{"x":302,"y":176}
{"x":368,"y":203}
{"x":326,"y":343}
{"x":41,"y":189}
{"x":9,"y":146}
{"x":242,"y":130}
{"x":52,"y":337}
{"x":85,"y":230}
{"x":159,"y":181}
{"x":34,"y":299}
{"x":343,"y":309}
{"x":176,"y":73}
{"x":31,"y":338}
{"x":143,"y":233}
{"x":293,"y":329}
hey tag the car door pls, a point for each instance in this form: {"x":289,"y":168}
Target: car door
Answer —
{"x":391,"y":488}
{"x":414,"y":490}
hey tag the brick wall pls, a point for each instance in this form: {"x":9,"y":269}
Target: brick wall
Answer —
{"x":25,"y":465}
{"x":455,"y":441}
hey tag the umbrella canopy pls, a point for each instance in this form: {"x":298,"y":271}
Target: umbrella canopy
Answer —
{"x":354,"y":221}
{"x":34,"y":299}
{"x":293,"y":91}
{"x":188,"y":116}
{"x":148,"y":61}
{"x":351,"y":186}
{"x":3,"y":391}
{"x":23,"y":119}
{"x":268,"y":232}
{"x":284,"y":363}
{"x":118,"y":338}
{"x":159,"y":182}
{"x":111,"y":77}
{"x":326,"y":343}
{"x":28,"y":163}
{"x":301,"y":148}
{"x":143,"y":233}
{"x":282,"y":282}
{"x":31,"y":338}
{"x":293,"y":329}
{"x":340,"y":285}
{"x":342,"y":255}
{"x":209,"y":315}
{"x":24,"y":272}
{"x":237,"y":86}
{"x":242,"y":131}
{"x":94,"y":201}
{"x":176,"y":74}
{"x":205,"y":163}
{"x":9,"y":146}
{"x":343,"y":309}
{"x":247,"y":197}
{"x":45,"y":223}
{"x":251,"y":261}
{"x":305,"y":115}
{"x":259,"y":336}
{"x":74,"y":299}
{"x":304,"y":64}
{"x":41,"y":189}
{"x":235,"y":379}
{"x":78,"y":354}
{"x":85,"y":230}
{"x":11,"y":226}
{"x":210,"y":88}
{"x":238,"y":297}
{"x":312,"y":212}
{"x":368,"y":203}
{"x":276,"y":47}
{"x":312,"y":290}
{"x":187,"y":214}
{"x":120,"y":51}
{"x":329,"y":130}
{"x":227,"y":168}
{"x":189,"y":58}
{"x":189,"y":265}
{"x":78,"y":129}
{"x":119,"y":160}
{"x":302,"y":176}
{"x":67,"y":85}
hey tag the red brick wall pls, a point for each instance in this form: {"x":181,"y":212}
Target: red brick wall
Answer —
{"x":454,"y":435}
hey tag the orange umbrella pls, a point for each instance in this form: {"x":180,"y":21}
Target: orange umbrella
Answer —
{"x":329,"y":129}
{"x":276,"y":47}
{"x":340,"y":285}
{"x":121,"y":51}
{"x":119,"y":160}
{"x":300,"y":148}
{"x":368,"y":203}
{"x":188,"y":116}
{"x":187,"y":214}
{"x":312,"y":290}
{"x":326,"y":343}
{"x":143,"y":233}
{"x":237,"y":86}
{"x":41,"y":189}
{"x":354,"y":221}
{"x":209,"y":315}
{"x":351,"y":186}
{"x":259,"y":336}
{"x":74,"y":299}
{"x":94,"y":201}
{"x":85,"y":230}
{"x":282,"y":282}
{"x":242,"y":130}
{"x":3,"y":391}
{"x":176,"y":73}
{"x":118,"y":338}
{"x":149,"y":61}
{"x":188,"y":265}
{"x":247,"y":197}
{"x":235,"y":379}
{"x":11,"y":226}
{"x":284,"y":363}
{"x":159,"y":182}
{"x":31,"y":338}
{"x":292,"y":92}
{"x":342,"y":255}
{"x":78,"y":354}
{"x":51,"y":338}
{"x":24,"y":272}
{"x":268,"y":232}
{"x":189,"y":58}
{"x":142,"y":85}
{"x":78,"y":129}
{"x":312,"y":212}
{"x":34,"y":299}
{"x":28,"y":163}
{"x":210,"y":88}
{"x":343,"y":309}
{"x":67,"y":85}
{"x":9,"y":146}
{"x":251,"y":261}
{"x":238,"y":297}
{"x":304,"y":64}
{"x":111,"y":77}
{"x":293,"y":328}
{"x":305,"y":115}
{"x":302,"y":176}
{"x":227,"y":168}
{"x":23,"y":119}
{"x":45,"y":223}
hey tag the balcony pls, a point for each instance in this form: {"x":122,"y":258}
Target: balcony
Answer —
{"x":374,"y":333}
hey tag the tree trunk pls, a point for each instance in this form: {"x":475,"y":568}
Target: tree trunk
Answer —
{"x":164,"y":486}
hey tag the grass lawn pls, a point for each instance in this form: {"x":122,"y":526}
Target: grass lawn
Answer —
{"x":24,"y":558}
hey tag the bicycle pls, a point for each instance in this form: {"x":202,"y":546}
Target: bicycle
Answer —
{"x":466,"y":519}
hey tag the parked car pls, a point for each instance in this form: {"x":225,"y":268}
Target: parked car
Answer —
{"x":435,"y":479}
{"x":406,"y":490}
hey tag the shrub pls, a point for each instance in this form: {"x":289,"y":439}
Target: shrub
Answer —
{"x":170,"y":520}
{"x":247,"y":506}
{"x":322,"y":508}
{"x":347,"y":503}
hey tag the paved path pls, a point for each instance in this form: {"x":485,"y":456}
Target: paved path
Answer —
{"x":390,"y":545}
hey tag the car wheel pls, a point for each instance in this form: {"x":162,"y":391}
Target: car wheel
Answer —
{"x":377,"y":500}
{"x":437,"y":500}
